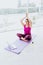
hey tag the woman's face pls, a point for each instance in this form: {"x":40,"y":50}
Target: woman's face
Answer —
{"x":27,"y":22}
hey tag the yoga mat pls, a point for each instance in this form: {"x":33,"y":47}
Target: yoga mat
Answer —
{"x":18,"y":46}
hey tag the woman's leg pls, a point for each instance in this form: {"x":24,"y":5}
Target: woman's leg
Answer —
{"x":24,"y":37}
{"x":20,"y":35}
{"x":28,"y":37}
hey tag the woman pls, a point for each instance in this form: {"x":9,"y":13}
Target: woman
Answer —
{"x":27,"y":29}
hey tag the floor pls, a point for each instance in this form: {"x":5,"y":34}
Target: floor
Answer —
{"x":31,"y":55}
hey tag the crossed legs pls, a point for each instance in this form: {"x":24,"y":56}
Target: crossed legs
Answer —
{"x":24,"y":37}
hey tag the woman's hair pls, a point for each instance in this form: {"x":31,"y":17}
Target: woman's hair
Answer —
{"x":27,"y":20}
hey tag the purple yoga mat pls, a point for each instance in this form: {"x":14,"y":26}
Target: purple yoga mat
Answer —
{"x":19,"y":46}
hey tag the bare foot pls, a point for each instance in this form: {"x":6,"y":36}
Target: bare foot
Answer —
{"x":24,"y":39}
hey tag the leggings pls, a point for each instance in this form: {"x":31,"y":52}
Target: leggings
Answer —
{"x":27,"y":37}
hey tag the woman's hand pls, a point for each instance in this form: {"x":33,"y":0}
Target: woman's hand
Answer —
{"x":27,"y":15}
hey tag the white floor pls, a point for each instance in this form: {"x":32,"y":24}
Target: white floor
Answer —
{"x":31,"y":55}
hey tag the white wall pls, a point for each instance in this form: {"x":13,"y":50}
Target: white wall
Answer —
{"x":8,"y":3}
{"x":14,"y":3}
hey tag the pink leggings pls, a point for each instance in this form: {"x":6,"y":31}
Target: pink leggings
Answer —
{"x":27,"y":37}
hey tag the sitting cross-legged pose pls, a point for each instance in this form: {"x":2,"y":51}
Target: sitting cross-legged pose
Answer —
{"x":27,"y":29}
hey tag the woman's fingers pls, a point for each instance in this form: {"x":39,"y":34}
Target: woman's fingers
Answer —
{"x":26,"y":15}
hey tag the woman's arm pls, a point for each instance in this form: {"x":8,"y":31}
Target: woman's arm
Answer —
{"x":30,"y":23}
{"x":22,"y":21}
{"x":26,"y":17}
{"x":29,"y":20}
